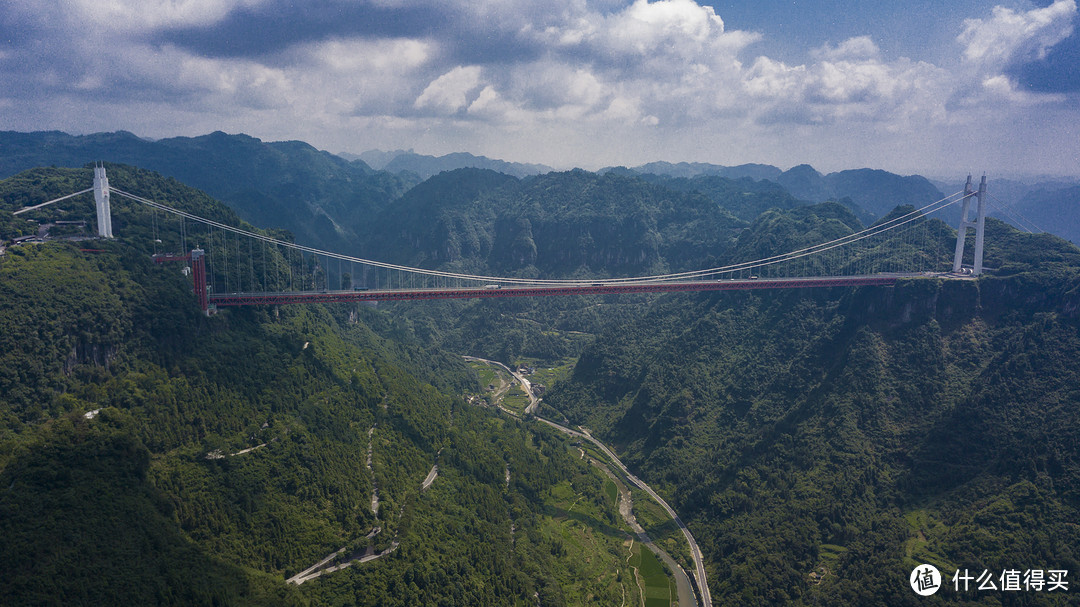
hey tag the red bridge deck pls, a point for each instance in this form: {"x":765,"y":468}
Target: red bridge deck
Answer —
{"x":598,"y":288}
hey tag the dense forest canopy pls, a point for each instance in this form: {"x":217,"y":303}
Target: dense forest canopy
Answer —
{"x":824,"y":443}
{"x":153,"y":455}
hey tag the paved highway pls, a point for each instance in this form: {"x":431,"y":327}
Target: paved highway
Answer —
{"x":695,"y":552}
{"x":626,"y":509}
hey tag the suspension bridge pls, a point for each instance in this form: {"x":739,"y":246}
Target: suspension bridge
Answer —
{"x":233,"y":266}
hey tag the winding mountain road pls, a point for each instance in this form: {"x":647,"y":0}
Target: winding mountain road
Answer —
{"x":626,"y":510}
{"x":695,"y":552}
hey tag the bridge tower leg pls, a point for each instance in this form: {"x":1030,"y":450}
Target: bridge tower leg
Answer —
{"x":198,"y":273}
{"x":979,"y":224}
{"x":101,"y":201}
{"x":980,"y":227}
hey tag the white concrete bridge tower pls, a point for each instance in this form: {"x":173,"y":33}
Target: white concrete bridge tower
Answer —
{"x":101,"y":201}
{"x":979,"y":224}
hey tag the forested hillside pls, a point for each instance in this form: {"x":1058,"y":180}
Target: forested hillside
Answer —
{"x":320,"y":197}
{"x":557,"y":224}
{"x":822,"y":443}
{"x":872,"y":193}
{"x":551,"y":226}
{"x":742,"y":197}
{"x":688,"y":230}
{"x":152,"y":455}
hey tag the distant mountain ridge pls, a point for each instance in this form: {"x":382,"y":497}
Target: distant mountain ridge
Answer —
{"x":705,"y":169}
{"x":875,"y":190}
{"x":556,"y":224}
{"x":325,"y":198}
{"x":1054,"y":210}
{"x":319,"y":196}
{"x":871,"y":190}
{"x":376,"y":159}
{"x":401,"y":161}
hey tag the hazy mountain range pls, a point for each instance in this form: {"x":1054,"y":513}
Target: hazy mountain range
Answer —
{"x":400,"y":161}
{"x":1035,"y":203}
{"x":326,"y":196}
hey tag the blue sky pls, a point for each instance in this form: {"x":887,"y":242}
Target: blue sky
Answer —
{"x":898,"y":28}
{"x":938,"y":88}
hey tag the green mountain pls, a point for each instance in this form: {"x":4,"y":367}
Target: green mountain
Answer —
{"x":150,"y":455}
{"x":551,"y":225}
{"x":322,"y":198}
{"x":1056,"y":210}
{"x":427,"y":166}
{"x":870,"y":193}
{"x":743,"y":197}
{"x":330,"y":202}
{"x":821,"y":444}
{"x":805,"y":182}
{"x":875,"y":191}
{"x":589,"y":226}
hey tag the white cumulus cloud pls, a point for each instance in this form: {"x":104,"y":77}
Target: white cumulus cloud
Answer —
{"x":647,"y":27}
{"x":1011,"y":35}
{"x":618,"y":75}
{"x":449,"y":93}
{"x":363,"y":56}
{"x":993,"y":46}
{"x":850,"y":80}
{"x":857,"y":48}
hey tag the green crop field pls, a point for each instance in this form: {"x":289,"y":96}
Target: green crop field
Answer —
{"x":548,"y":373}
{"x":515,"y":399}
{"x":579,"y":522}
{"x":661,"y":528}
{"x":611,"y":491}
{"x":484,"y":373}
{"x":659,"y":589}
